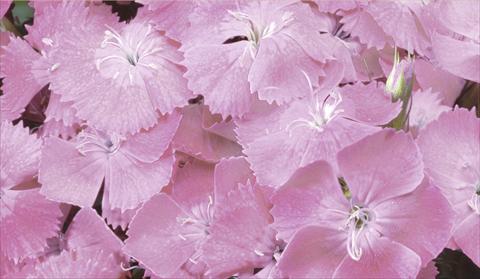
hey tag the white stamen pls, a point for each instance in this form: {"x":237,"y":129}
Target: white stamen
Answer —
{"x":320,"y":113}
{"x":130,"y":77}
{"x":54,"y":67}
{"x":47,"y":41}
{"x":310,"y":86}
{"x":474,"y":201}
{"x":356,"y":224}
{"x":127,"y":268}
{"x":192,"y":261}
{"x":258,"y":253}
{"x":182,"y":237}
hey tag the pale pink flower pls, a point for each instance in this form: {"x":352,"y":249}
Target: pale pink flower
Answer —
{"x":232,"y":51}
{"x":450,"y":148}
{"x":134,"y":168}
{"x":129,"y":73}
{"x":313,"y":128}
{"x":27,"y":218}
{"x":198,"y":225}
{"x":365,"y":231}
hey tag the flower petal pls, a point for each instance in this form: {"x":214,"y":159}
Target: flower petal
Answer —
{"x":379,"y":167}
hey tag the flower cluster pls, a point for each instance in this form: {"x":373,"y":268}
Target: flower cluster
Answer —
{"x":247,"y":138}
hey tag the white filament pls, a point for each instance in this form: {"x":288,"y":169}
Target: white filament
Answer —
{"x":474,"y":202}
{"x":356,"y":224}
{"x":320,"y":113}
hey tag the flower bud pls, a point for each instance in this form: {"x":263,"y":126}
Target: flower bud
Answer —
{"x":400,"y":80}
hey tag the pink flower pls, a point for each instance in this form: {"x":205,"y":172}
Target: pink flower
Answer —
{"x":313,"y":128}
{"x":134,"y":168}
{"x":27,"y":218}
{"x":450,"y":148}
{"x":127,"y":72}
{"x":199,"y":227}
{"x":232,"y":51}
{"x":364,"y":231}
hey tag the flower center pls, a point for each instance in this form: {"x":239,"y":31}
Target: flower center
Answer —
{"x":355,"y":226}
{"x":320,"y":113}
{"x":89,"y":142}
{"x":474,"y":202}
{"x":199,"y":220}
{"x":197,"y":225}
{"x":258,"y":29}
{"x":119,"y":54}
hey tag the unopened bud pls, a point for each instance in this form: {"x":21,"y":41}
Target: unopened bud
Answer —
{"x":400,"y":80}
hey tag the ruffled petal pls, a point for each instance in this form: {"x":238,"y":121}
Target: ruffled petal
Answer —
{"x":229,"y":173}
{"x":361,"y":24}
{"x":20,"y":154}
{"x":432,"y":76}
{"x":82,"y":264}
{"x":369,"y":103}
{"x":19,"y":85}
{"x":466,"y":236}
{"x":278,"y":70}
{"x":68,"y":176}
{"x":131,"y":182}
{"x":97,"y":237}
{"x":27,"y":220}
{"x":195,"y":140}
{"x":400,"y":22}
{"x":450,"y":149}
{"x":148,"y":146}
{"x":220,"y":73}
{"x":193,"y":183}
{"x":243,"y":212}
{"x":465,"y":63}
{"x":462,"y":17}
{"x":165,"y":251}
